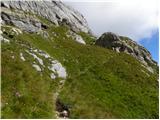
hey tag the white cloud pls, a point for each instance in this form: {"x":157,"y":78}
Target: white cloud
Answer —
{"x":136,"y":19}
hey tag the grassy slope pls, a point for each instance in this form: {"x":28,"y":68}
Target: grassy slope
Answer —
{"x":100,"y":83}
{"x":20,"y":77}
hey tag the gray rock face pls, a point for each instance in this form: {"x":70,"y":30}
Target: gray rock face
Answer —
{"x":123,"y":44}
{"x":21,"y":20}
{"x":54,"y":11}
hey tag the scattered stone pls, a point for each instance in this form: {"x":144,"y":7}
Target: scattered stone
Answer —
{"x":43,"y":34}
{"x":22,"y":57}
{"x":61,"y":71}
{"x":37,"y":67}
{"x":44,"y":54}
{"x":63,"y":110}
{"x":76,"y":37}
{"x":52,"y":76}
{"x":12,"y":57}
{"x":64,"y":114}
{"x":16,"y":30}
{"x":62,"y":82}
{"x":37,"y":58}
{"x":4,"y":39}
{"x":17,"y":94}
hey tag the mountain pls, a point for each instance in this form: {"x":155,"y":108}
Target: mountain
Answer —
{"x":54,"y":67}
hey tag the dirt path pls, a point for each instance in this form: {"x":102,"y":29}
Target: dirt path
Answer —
{"x":61,"y":113}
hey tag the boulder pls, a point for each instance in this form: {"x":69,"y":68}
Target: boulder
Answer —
{"x":124,"y":44}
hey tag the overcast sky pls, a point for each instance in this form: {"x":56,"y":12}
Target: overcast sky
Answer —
{"x":136,"y":19}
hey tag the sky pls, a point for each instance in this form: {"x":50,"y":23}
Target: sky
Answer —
{"x":152,"y":44}
{"x":137,"y":19}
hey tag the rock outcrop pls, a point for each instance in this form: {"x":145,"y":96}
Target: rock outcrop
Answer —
{"x":54,"y":11}
{"x":124,"y":44}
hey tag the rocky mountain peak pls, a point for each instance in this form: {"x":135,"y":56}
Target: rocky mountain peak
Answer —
{"x":124,"y":44}
{"x":54,"y":11}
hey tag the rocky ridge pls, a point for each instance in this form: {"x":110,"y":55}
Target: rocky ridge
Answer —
{"x":124,"y":44}
{"x":55,"y":11}
{"x":24,"y":15}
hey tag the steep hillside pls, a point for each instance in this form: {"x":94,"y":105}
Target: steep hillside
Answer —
{"x":52,"y":69}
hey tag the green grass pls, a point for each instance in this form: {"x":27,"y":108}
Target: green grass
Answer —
{"x":100,"y":84}
{"x":20,"y":77}
{"x":89,"y":39}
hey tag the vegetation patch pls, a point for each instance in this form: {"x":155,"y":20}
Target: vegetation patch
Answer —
{"x":100,"y":84}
